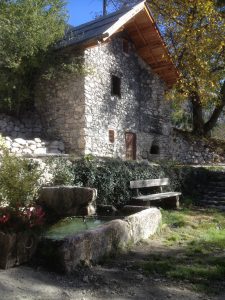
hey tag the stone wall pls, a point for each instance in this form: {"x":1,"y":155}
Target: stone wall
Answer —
{"x":34,"y":147}
{"x":24,"y":136}
{"x":80,"y":110}
{"x":141,"y":109}
{"x":60,"y":102}
{"x":190,"y":150}
{"x":27,"y":126}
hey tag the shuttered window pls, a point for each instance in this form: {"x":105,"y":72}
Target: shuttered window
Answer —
{"x":111,"y":136}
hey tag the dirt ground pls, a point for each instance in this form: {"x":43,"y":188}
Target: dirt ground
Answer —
{"x":116,"y":278}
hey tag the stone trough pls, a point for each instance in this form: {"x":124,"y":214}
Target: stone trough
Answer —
{"x":79,"y":240}
{"x":90,"y":246}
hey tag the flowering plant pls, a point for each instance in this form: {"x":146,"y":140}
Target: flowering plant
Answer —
{"x":23,"y":218}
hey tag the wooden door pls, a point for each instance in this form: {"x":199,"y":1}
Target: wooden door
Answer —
{"x":131,"y":147}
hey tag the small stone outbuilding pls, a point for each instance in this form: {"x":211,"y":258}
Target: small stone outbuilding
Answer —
{"x":115,"y":108}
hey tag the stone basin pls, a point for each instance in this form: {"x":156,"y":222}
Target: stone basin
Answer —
{"x":65,"y":253}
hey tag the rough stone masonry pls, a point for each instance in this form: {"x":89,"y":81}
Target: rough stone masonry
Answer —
{"x":24,"y":136}
{"x":81,"y":109}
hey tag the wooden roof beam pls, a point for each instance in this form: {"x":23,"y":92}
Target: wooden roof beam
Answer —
{"x":153,"y":45}
{"x":162,"y":67}
{"x":144,"y":40}
{"x":144,"y":30}
{"x":159,"y":35}
{"x":145,"y":49}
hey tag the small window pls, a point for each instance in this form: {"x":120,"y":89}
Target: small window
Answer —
{"x":116,"y":86}
{"x":111,"y":136}
{"x":125,"y":46}
{"x":154,"y":149}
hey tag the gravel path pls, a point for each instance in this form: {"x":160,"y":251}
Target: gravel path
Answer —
{"x":116,"y":278}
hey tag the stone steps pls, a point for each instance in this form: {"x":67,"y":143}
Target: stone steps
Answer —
{"x":217,"y":184}
{"x":218,"y":207}
{"x":208,"y":199}
{"x":212,"y":202}
{"x":213,"y":195}
{"x":214,"y":189}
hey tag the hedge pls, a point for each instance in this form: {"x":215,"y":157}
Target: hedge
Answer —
{"x":111,"y":177}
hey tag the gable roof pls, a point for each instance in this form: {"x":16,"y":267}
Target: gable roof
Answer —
{"x":92,"y":30}
{"x":140,"y":25}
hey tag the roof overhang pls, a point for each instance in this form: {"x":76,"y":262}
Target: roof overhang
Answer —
{"x":143,"y":31}
{"x":140,"y":26}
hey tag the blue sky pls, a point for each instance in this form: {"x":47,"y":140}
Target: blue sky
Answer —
{"x":81,"y":11}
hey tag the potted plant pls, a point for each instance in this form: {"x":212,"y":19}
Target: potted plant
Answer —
{"x":20,"y":217}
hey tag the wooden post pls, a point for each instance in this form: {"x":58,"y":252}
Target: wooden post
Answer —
{"x":177,"y":202}
{"x":104,"y":7}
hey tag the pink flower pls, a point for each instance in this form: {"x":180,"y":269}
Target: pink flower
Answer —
{"x":4,"y":218}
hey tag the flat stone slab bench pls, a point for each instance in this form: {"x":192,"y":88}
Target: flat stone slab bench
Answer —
{"x":167,"y":199}
{"x":89,"y":246}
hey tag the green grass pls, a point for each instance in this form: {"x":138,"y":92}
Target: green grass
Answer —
{"x":195,"y":248}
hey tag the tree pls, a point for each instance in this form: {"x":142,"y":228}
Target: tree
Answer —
{"x":194,"y":31}
{"x":28,"y":29}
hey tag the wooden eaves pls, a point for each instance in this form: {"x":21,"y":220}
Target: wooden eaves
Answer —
{"x":143,"y":31}
{"x":139,"y":24}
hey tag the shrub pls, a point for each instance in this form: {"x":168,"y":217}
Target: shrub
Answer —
{"x":111,"y":177}
{"x":61,"y":170}
{"x":18,"y":180}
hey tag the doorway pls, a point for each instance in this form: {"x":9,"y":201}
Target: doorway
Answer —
{"x":131,"y":145}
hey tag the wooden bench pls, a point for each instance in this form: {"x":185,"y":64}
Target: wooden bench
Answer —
{"x":162,"y":199}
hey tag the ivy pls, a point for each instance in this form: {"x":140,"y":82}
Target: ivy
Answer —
{"x":111,"y":177}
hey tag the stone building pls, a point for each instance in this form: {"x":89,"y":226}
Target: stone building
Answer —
{"x":116,"y":108}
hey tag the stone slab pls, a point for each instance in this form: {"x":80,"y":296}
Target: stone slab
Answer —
{"x":143,"y":224}
{"x":66,"y":200}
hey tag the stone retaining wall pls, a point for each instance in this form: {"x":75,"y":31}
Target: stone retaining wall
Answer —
{"x":24,"y":136}
{"x":35,"y":147}
{"x":189,"y":150}
{"x":27,"y":126}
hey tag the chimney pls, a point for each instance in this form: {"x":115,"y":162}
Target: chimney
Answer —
{"x":104,"y":7}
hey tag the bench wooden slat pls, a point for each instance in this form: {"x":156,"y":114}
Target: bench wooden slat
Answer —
{"x":156,"y":196}
{"x":138,"y":184}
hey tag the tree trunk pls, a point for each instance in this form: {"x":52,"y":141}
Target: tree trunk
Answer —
{"x":216,"y":113}
{"x":197,"y":114}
